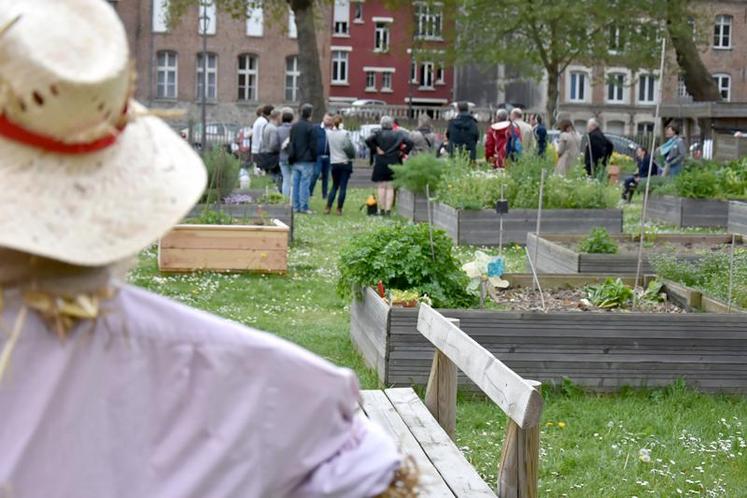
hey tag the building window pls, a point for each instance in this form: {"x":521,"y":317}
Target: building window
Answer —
{"x":577,"y":87}
{"x":206,"y":21}
{"x":386,"y":82}
{"x":255,"y":20}
{"x":341,"y":25}
{"x":292,"y":78}
{"x":615,"y":40}
{"x":160,"y":10}
{"x":723,"y":82}
{"x":381,"y":37}
{"x":208,"y":81}
{"x":413,"y":72}
{"x":681,"y":87}
{"x":440,"y":75}
{"x":722,"y":32}
{"x":616,"y":87}
{"x":166,"y":72}
{"x":428,"y":21}
{"x":247,"y":77}
{"x":645,"y":128}
{"x":426,"y":75}
{"x":646,"y":89}
{"x":292,"y":30}
{"x":339,"y":67}
{"x":370,"y":80}
{"x":358,"y":11}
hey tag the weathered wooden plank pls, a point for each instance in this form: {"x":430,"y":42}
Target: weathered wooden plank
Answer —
{"x":380,"y":410}
{"x":441,"y":391}
{"x":460,"y":476}
{"x":270,"y":261}
{"x":681,"y":212}
{"x":514,"y":395}
{"x":737,"y":221}
{"x":411,"y":206}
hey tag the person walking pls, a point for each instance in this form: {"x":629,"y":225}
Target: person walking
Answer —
{"x":643,"y":159}
{"x":302,"y":156}
{"x":108,"y":390}
{"x":423,"y":138}
{"x":269,"y":150}
{"x":569,"y":147}
{"x":258,"y":129}
{"x":321,"y":167}
{"x":341,"y":153}
{"x":462,"y":132}
{"x":673,"y":151}
{"x":503,"y":141}
{"x":387,"y":146}
{"x":540,"y":134}
{"x":527,"y":133}
{"x":598,"y":149}
{"x":284,"y":139}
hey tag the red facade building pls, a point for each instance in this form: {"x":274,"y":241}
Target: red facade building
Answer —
{"x":393,"y":56}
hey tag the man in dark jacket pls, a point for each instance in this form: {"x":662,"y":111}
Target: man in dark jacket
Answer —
{"x":598,"y":148}
{"x":302,"y":155}
{"x":321,"y":168}
{"x":462,"y":132}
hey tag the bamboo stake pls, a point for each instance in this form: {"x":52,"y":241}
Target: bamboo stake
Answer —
{"x":731,"y":272}
{"x":536,"y":280}
{"x":657,"y":126}
{"x":539,"y":216}
{"x":500,"y":225}
{"x":430,"y":219}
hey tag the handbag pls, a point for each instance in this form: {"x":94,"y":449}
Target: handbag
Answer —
{"x":349,"y":148}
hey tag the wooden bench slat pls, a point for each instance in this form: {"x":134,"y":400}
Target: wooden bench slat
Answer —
{"x":380,"y":410}
{"x":460,"y":476}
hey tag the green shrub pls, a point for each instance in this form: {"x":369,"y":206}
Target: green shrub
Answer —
{"x":598,"y":242}
{"x":223,"y":172}
{"x":400,"y":257}
{"x":417,"y":172}
{"x":211,"y":217}
{"x":706,"y":180}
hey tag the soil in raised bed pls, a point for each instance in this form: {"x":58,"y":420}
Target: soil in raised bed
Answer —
{"x":525,"y":299}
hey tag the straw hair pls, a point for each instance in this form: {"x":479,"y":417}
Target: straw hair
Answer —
{"x":71,"y":81}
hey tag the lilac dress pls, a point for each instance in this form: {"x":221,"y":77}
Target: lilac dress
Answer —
{"x":156,"y":399}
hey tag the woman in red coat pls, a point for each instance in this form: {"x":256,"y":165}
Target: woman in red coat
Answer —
{"x":496,"y":140}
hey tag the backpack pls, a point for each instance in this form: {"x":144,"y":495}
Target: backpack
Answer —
{"x":513,"y":142}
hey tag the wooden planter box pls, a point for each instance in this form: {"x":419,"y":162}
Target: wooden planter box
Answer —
{"x":251,"y":211}
{"x":695,"y":299}
{"x":480,"y":227}
{"x":260,"y":248}
{"x":411,"y":206}
{"x":682,"y":212}
{"x":554,"y":257}
{"x":599,"y":351}
{"x":738,"y":217}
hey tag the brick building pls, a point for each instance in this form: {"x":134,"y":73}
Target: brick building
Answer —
{"x":250,"y":61}
{"x":393,"y":56}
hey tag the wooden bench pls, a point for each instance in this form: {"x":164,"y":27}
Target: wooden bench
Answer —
{"x":425,"y":430}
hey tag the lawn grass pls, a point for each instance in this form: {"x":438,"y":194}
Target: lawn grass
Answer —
{"x":696,"y":442}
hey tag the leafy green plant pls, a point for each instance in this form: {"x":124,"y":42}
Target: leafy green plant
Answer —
{"x":613,"y":293}
{"x":223,"y":173}
{"x":211,"y":217}
{"x":598,"y":242}
{"x":706,"y":180}
{"x":400,"y":257}
{"x":272,"y":197}
{"x":653,"y":292}
{"x":417,"y":172}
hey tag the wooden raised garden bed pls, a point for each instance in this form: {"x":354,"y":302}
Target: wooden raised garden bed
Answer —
{"x":261,"y":248}
{"x":601,"y":351}
{"x":411,"y":206}
{"x":556,"y":253}
{"x":738,"y":217}
{"x":251,"y":211}
{"x":695,"y":299}
{"x":480,"y":227}
{"x":683,"y":212}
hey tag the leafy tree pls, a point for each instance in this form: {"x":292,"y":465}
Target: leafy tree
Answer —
{"x":305,"y":11}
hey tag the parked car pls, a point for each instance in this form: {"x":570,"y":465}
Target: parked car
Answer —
{"x":364,"y":108}
{"x":217,"y":134}
{"x":623,"y":145}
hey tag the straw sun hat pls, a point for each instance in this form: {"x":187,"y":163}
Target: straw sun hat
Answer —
{"x":87,"y":176}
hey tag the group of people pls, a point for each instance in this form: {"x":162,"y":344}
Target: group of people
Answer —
{"x":299,"y":153}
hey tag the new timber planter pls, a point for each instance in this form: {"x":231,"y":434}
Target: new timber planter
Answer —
{"x":597,"y":350}
{"x":251,"y":211}
{"x":481,"y":227}
{"x":683,"y":212}
{"x":260,"y":248}
{"x":412,"y":206}
{"x":738,"y":217}
{"x":556,"y":253}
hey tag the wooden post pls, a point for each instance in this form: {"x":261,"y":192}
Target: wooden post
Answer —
{"x":440,"y":394}
{"x":518,"y":471}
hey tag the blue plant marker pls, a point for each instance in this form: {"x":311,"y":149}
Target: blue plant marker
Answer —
{"x":496,"y":267}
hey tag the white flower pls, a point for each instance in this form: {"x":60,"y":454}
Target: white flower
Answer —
{"x":644,"y":455}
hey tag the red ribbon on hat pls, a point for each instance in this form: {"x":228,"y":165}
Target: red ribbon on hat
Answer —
{"x":17,"y":133}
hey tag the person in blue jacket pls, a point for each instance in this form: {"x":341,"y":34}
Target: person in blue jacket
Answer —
{"x":643,"y":158}
{"x":321,"y":168}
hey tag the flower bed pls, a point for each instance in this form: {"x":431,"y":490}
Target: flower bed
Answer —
{"x":738,"y":217}
{"x":601,"y":351}
{"x":558,"y":253}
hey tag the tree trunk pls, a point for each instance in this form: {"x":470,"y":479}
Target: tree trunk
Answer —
{"x":311,"y":90}
{"x":553,"y":91}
